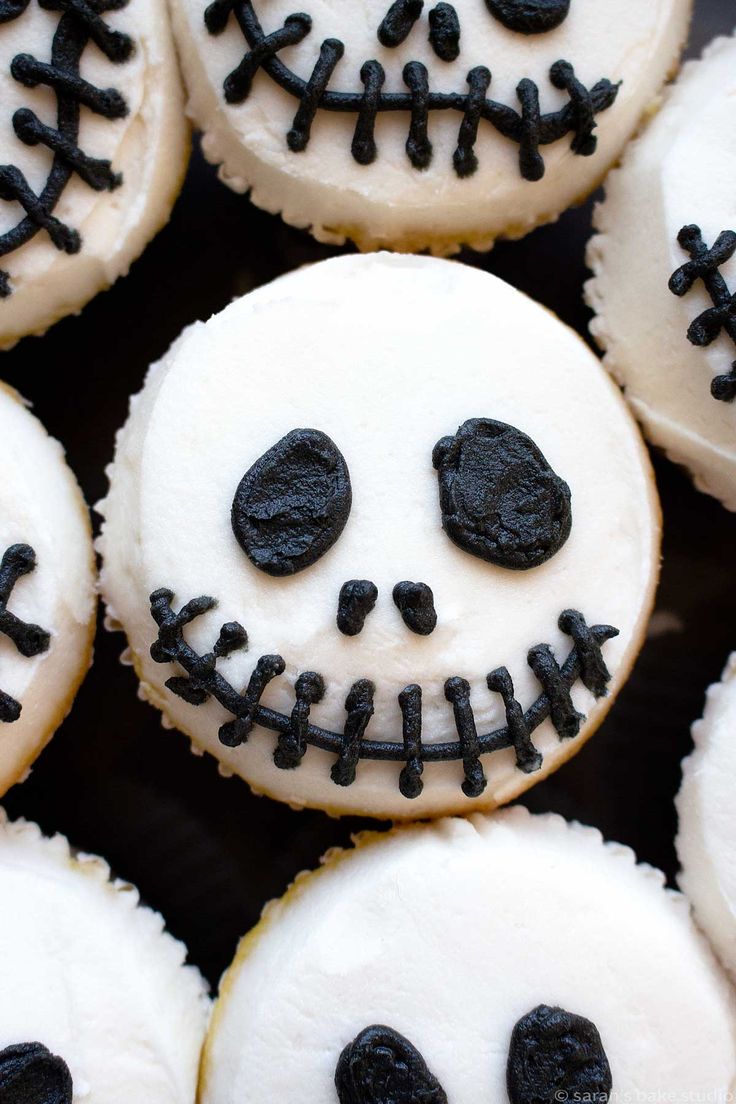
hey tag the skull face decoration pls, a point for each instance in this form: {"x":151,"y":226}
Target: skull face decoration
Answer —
{"x":82,"y":117}
{"x":490,"y":959}
{"x":47,"y":592}
{"x":422,"y":125}
{"x":96,"y":1003}
{"x":383,"y":524}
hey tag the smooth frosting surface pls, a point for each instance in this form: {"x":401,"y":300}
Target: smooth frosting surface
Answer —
{"x":41,"y":506}
{"x":93,"y":977}
{"x":706,"y":842}
{"x":451,"y":933}
{"x":388,"y":202}
{"x":148,"y":146}
{"x":386,"y":355}
{"x":678,"y":173}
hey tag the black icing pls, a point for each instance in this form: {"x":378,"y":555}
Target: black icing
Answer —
{"x":499,"y":497}
{"x":380,"y":1066}
{"x":80,"y":23}
{"x":30,"y":640}
{"x":444,"y":32}
{"x":357,"y":599}
{"x":11,"y":9}
{"x":203,"y":681}
{"x":704,"y":265}
{"x":31,"y":1074}
{"x":293,"y":504}
{"x":530,"y":16}
{"x":415,"y":603}
{"x":557,"y":1058}
{"x":529,"y":127}
{"x":398,"y":21}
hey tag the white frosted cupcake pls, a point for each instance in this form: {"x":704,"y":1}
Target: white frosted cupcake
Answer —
{"x":93,"y":146}
{"x":411,"y":127}
{"x":664,"y":264}
{"x":383,"y":537}
{"x":509,"y":958}
{"x":97,"y":1006}
{"x":47,"y":588}
{"x":706,"y":841}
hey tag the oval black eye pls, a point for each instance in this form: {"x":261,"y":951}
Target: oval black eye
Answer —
{"x":499,"y":497}
{"x":292,"y":505}
{"x":380,"y":1066}
{"x":529,"y":16}
{"x":555,"y":1055}
{"x":31,"y":1073}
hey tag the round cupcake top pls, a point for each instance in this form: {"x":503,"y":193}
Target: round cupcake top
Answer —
{"x":91,"y":153}
{"x":422,"y":125}
{"x":96,"y":1005}
{"x":706,"y":842}
{"x":47,"y":587}
{"x":664,"y":263}
{"x":511,"y":958}
{"x":394,"y":512}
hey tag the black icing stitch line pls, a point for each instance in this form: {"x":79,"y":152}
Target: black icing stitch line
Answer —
{"x":203,"y":681}
{"x":80,"y":23}
{"x":30,"y":640}
{"x":704,"y":265}
{"x":529,"y":128}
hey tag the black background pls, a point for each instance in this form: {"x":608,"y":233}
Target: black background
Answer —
{"x":202,"y":849}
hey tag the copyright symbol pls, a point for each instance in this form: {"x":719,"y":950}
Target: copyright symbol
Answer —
{"x":561,"y":1096}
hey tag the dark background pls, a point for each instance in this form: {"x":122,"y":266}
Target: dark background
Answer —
{"x":202,"y":849}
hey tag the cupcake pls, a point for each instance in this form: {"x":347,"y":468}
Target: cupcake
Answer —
{"x":383,"y":538}
{"x":92,"y":153}
{"x":706,"y":841}
{"x":664,"y":274}
{"x":97,"y":1005}
{"x":509,"y":958}
{"x":417,"y":128}
{"x":47,"y":588}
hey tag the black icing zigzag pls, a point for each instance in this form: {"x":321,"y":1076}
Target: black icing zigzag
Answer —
{"x":529,"y":127}
{"x":203,"y":681}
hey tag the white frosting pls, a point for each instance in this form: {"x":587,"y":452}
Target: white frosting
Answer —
{"x":706,"y":842}
{"x":451,"y":933}
{"x":679,"y":172}
{"x":41,"y":505}
{"x":93,"y":977}
{"x":149,"y":147}
{"x":389,"y":203}
{"x":386,"y":355}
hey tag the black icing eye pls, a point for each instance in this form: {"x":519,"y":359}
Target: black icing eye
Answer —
{"x":292,"y":505}
{"x":31,"y":1074}
{"x":380,"y":1066}
{"x":499,"y":497}
{"x":557,"y":1056}
{"x":530,"y":16}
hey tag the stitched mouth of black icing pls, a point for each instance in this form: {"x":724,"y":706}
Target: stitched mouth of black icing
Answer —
{"x":79,"y":24}
{"x":203,"y":681}
{"x":529,"y":127}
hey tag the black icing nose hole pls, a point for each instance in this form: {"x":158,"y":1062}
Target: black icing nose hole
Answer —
{"x":415,"y":603}
{"x":529,"y":16}
{"x":357,"y":599}
{"x":31,"y":1074}
{"x":500,"y":498}
{"x":292,"y":505}
{"x":398,"y":22}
